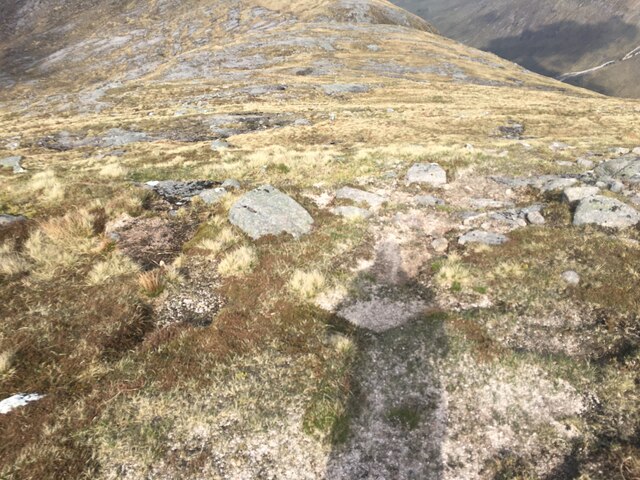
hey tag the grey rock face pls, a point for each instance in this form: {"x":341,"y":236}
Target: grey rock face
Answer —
{"x":427,"y":173}
{"x":180,"y":192}
{"x":268,"y":211}
{"x":557,"y":184}
{"x":585,"y":162}
{"x":13,"y":162}
{"x":118,"y":137}
{"x":571,"y":277}
{"x":575,"y":194}
{"x":428,"y":201}
{"x":6,"y":220}
{"x":480,"y":236}
{"x":213,"y":195}
{"x":606,"y":212}
{"x":360,"y":196}
{"x":625,"y":168}
{"x":351,"y":213}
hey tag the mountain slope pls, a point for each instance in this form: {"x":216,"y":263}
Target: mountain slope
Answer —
{"x":558,"y":39}
{"x":426,"y":304}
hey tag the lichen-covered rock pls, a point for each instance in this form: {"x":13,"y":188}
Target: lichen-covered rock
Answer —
{"x":606,"y":212}
{"x":213,"y":195}
{"x":180,"y":192}
{"x":625,"y":168}
{"x":427,"y":173}
{"x":268,"y":211}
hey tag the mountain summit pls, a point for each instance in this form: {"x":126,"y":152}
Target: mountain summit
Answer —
{"x":261,"y":239}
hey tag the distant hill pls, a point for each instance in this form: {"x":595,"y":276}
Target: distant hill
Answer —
{"x":594,"y":44}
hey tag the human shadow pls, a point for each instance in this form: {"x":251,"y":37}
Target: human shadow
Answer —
{"x":396,"y":416}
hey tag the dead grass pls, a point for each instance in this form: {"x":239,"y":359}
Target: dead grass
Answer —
{"x":237,"y":262}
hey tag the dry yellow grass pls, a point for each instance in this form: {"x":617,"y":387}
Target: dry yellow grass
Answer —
{"x":152,"y":283}
{"x":116,"y":265}
{"x":307,"y":285}
{"x":238,"y":262}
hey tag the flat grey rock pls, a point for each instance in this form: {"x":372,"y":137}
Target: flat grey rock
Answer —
{"x":575,"y":194}
{"x":481,"y":203}
{"x":585,"y":162}
{"x":6,"y":220}
{"x":606,"y":212}
{"x":268,"y":211}
{"x":343,"y":88}
{"x":480,"y":236}
{"x":118,"y":137}
{"x":213,"y":195}
{"x":427,"y":173}
{"x":636,"y":151}
{"x":13,"y":162}
{"x":351,"y":213}
{"x":178,"y":192}
{"x":428,"y":201}
{"x":557,"y":184}
{"x":360,"y":196}
{"x":558,"y":146}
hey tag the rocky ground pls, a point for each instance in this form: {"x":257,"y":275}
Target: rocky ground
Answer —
{"x":340,"y":246}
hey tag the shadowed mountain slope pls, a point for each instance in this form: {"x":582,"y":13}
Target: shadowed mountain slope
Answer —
{"x":565,"y":39}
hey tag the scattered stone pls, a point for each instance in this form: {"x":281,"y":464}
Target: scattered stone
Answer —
{"x":13,"y":162}
{"x":584,"y":162}
{"x":231,"y":183}
{"x":352,"y":213}
{"x":571,"y":277}
{"x":636,"y":151}
{"x":616,"y":186}
{"x":428,"y":201}
{"x":220,"y":144}
{"x":440,"y":245}
{"x":302,"y":122}
{"x":18,"y":400}
{"x":606,"y":212}
{"x":268,"y":211}
{"x":480,"y":236}
{"x":469,"y":148}
{"x":360,"y":196}
{"x":575,"y":194}
{"x":6,"y":220}
{"x":341,"y":89}
{"x":213,"y":195}
{"x":481,"y":203}
{"x":427,"y":173}
{"x":535,"y":218}
{"x":177,"y":192}
{"x":512,"y":131}
{"x":558,"y":146}
{"x":564,"y":163}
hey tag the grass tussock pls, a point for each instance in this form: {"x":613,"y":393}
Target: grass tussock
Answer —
{"x":116,"y":265}
{"x":152,"y":283}
{"x":306,"y":285}
{"x":452,"y":274}
{"x":238,"y":262}
{"x":47,"y":185}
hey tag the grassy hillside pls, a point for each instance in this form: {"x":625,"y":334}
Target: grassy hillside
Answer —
{"x":170,"y":344}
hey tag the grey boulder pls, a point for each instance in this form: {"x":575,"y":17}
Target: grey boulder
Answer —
{"x":605,"y":212}
{"x":625,"y":168}
{"x":427,"y":173}
{"x":575,"y":194}
{"x":352,"y":213}
{"x":268,"y":211}
{"x":213,"y":195}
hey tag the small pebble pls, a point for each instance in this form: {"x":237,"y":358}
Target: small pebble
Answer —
{"x":571,"y":277}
